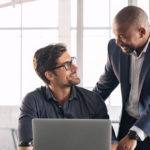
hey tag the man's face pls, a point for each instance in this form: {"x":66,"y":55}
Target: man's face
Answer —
{"x":65,"y":77}
{"x":127,"y":37}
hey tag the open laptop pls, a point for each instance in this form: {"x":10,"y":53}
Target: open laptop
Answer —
{"x":71,"y":134}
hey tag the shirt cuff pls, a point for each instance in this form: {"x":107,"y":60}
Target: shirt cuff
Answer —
{"x":25,"y":144}
{"x":139,"y":132}
{"x":115,"y":142}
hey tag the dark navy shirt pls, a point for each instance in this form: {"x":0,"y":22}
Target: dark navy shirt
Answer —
{"x":40,"y":103}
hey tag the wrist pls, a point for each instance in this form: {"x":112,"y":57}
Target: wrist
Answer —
{"x":132,"y":135}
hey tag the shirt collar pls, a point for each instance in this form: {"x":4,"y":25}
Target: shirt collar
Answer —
{"x":50,"y":96}
{"x":144,"y":50}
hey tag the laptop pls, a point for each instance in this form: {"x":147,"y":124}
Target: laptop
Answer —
{"x":71,"y":134}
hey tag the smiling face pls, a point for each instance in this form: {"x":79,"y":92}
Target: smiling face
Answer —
{"x":131,"y":29}
{"x":128,"y":37}
{"x":62,"y":77}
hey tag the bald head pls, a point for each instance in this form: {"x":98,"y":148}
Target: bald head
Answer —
{"x":132,"y":15}
{"x":131,"y":29}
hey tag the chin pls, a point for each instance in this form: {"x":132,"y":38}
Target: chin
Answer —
{"x":128,"y":50}
{"x":74,"y":82}
{"x":77,"y":81}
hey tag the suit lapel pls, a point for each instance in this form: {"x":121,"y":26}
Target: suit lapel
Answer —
{"x":125,"y":75}
{"x":144,"y":69}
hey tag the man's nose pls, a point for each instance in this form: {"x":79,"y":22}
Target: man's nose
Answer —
{"x":74,"y":67}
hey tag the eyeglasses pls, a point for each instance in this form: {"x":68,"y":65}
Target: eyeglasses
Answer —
{"x":67,"y":65}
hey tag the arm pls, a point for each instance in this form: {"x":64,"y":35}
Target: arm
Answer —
{"x":141,"y":126}
{"x":28,"y":112}
{"x":144,"y":122}
{"x":113,"y":147}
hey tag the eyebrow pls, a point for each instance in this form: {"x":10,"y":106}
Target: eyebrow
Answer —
{"x":66,"y":62}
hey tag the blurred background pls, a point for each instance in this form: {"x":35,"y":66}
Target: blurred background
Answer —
{"x":85,"y":26}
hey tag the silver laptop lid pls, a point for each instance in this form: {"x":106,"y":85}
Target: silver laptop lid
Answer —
{"x":71,"y":134}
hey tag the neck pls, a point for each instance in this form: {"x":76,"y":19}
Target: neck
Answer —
{"x":140,"y":49}
{"x":61,"y":94}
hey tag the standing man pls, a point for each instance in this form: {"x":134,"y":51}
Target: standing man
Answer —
{"x":60,"y":98}
{"x":129,"y":64}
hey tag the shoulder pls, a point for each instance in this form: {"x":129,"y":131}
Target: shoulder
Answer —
{"x":93,"y":101}
{"x":83,"y":90}
{"x":88,"y":95}
{"x":35,"y":95}
{"x":112,"y":43}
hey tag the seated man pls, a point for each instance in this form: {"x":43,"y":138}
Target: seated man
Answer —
{"x":60,"y":98}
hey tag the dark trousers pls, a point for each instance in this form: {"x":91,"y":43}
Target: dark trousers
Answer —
{"x":126,"y":123}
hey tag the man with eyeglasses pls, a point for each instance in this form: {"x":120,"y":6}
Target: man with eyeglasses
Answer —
{"x":60,"y":98}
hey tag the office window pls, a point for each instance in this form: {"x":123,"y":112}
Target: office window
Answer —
{"x":95,"y":55}
{"x":98,"y":17}
{"x":10,"y":16}
{"x":32,"y":41}
{"x":10,"y":54}
{"x":26,"y":27}
{"x":96,"y":13}
{"x":144,"y":5}
{"x":10,"y":67}
{"x":39,"y":28}
{"x":73,"y":13}
{"x":40,"y":13}
{"x":73,"y":50}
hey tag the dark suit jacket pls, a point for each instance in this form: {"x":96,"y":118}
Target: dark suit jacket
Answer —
{"x":117,"y":71}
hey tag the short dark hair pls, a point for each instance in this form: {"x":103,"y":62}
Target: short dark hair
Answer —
{"x":132,"y":15}
{"x":46,"y":58}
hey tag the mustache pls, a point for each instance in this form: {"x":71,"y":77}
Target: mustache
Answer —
{"x":128,"y":49}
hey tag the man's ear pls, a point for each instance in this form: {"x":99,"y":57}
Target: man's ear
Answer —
{"x":49,"y":75}
{"x":142,"y":32}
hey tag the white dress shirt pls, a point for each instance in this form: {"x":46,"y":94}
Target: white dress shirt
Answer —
{"x":132,"y":105}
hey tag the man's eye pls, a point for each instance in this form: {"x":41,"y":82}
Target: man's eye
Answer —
{"x":67,"y":63}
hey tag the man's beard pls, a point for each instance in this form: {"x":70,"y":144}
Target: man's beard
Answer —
{"x":127,"y":49}
{"x":74,"y":81}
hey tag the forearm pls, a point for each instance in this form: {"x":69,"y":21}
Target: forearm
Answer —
{"x":113,"y":147}
{"x":144,"y":122}
{"x":25,"y":148}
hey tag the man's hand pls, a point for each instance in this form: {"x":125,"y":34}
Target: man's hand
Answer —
{"x":113,"y":147}
{"x":127,"y":144}
{"x":25,"y":148}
